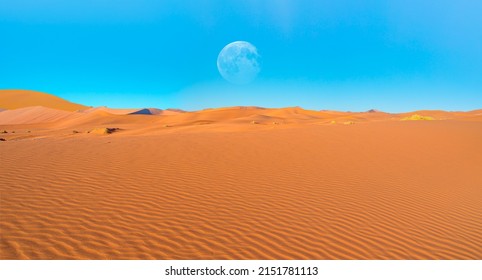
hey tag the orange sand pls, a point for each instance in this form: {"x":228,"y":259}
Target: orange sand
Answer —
{"x":240,"y":183}
{"x":14,"y":99}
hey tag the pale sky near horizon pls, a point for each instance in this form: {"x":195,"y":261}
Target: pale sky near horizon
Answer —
{"x":342,"y":55}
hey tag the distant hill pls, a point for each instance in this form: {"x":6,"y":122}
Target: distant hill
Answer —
{"x":14,"y":99}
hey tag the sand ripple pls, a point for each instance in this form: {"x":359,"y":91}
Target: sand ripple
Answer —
{"x":377,"y":191}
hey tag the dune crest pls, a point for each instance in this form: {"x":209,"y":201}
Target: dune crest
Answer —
{"x":15,"y":99}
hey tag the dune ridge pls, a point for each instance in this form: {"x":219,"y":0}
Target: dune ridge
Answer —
{"x":15,"y":99}
{"x":239,"y":183}
{"x":30,"y":107}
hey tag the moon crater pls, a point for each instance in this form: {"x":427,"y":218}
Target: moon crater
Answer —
{"x":239,"y":62}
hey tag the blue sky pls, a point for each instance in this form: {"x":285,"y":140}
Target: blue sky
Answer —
{"x":342,"y":55}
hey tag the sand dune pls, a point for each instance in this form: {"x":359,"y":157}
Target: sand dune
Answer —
{"x":14,"y":99}
{"x":31,"y":115}
{"x":179,"y":118}
{"x":154,"y":111}
{"x":475,"y":112}
{"x":378,"y":190}
{"x":435,"y":114}
{"x":135,"y":111}
{"x":109,"y":110}
{"x":239,"y":183}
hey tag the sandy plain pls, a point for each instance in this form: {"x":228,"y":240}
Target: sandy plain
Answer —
{"x":237,"y":183}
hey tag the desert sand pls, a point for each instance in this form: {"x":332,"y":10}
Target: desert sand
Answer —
{"x":237,"y":183}
{"x":14,"y":99}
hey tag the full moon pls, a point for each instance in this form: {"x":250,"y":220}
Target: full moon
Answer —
{"x":238,"y":62}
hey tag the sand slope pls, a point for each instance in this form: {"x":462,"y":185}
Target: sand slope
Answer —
{"x":236,"y":183}
{"x":32,"y":115}
{"x":14,"y":99}
{"x":305,"y":190}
